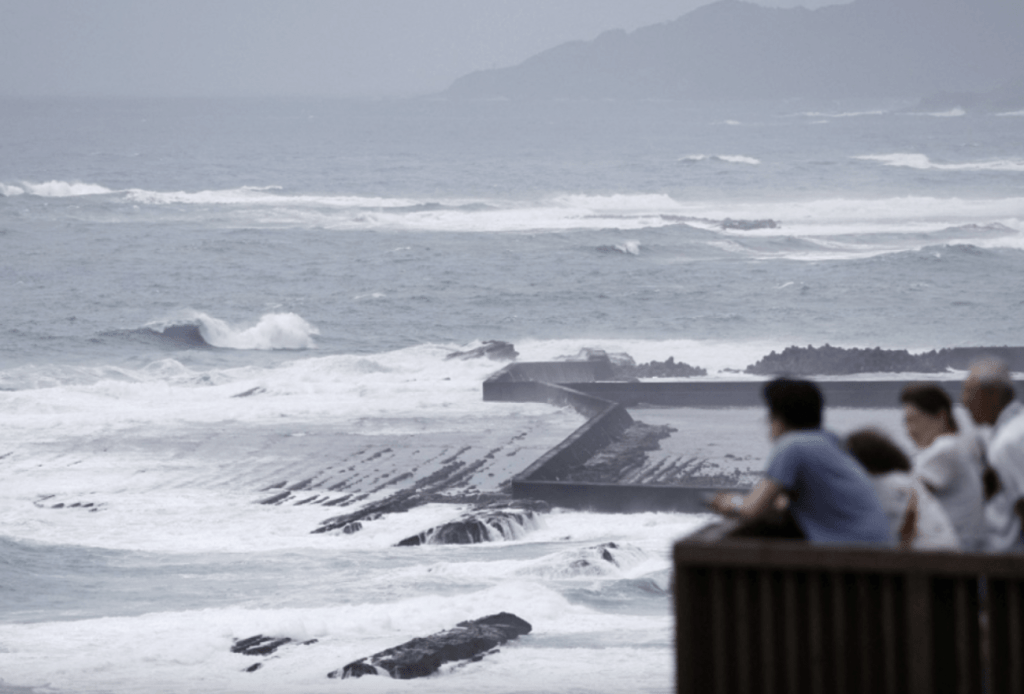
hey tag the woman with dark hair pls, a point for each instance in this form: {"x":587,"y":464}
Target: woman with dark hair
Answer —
{"x":915,"y":515}
{"x":948,"y":464}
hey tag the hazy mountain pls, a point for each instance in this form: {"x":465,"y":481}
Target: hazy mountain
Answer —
{"x":1008,"y":98}
{"x":733,"y":49}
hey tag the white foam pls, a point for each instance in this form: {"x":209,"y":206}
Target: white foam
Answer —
{"x":273,"y":331}
{"x":1011,"y":113}
{"x":843,"y":114}
{"x":923,"y":163}
{"x":631,"y":247}
{"x":571,"y":648}
{"x":10,"y":191}
{"x":951,"y":113}
{"x":262,"y":196}
{"x":726,"y":158}
{"x":715,"y":356}
{"x":64,"y":189}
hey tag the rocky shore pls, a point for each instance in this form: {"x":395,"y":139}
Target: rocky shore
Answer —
{"x":839,"y":361}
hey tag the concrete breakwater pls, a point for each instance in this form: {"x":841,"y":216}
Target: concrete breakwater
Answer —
{"x":567,"y":475}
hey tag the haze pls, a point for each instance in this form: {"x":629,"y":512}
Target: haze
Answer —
{"x":305,"y":48}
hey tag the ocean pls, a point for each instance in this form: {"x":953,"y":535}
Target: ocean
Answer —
{"x":164,"y":258}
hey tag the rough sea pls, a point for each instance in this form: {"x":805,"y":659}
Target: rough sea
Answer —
{"x":161,"y":259}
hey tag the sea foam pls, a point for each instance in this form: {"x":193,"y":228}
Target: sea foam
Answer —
{"x":273,"y":331}
{"x":725,"y":158}
{"x":57,"y":189}
{"x":924,"y":163}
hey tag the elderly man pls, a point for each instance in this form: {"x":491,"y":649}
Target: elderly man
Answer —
{"x":988,"y":395}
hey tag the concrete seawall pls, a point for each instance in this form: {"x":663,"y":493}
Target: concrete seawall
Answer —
{"x":584,"y":386}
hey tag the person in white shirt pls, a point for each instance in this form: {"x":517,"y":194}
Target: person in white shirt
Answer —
{"x":916,"y":517}
{"x":946,"y":463}
{"x":989,"y":397}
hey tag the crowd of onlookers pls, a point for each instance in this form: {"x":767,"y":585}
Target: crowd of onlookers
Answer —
{"x":963,"y":489}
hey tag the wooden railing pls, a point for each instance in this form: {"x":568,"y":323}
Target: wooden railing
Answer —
{"x":784,"y":616}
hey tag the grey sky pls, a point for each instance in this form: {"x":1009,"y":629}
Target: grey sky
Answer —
{"x":294,"y":47}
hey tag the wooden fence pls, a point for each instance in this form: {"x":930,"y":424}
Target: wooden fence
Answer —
{"x":786,"y":617}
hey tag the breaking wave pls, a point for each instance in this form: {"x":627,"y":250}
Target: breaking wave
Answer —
{"x":923,"y":163}
{"x":951,"y":113}
{"x":724,"y":158}
{"x":54,"y":189}
{"x":274,"y":331}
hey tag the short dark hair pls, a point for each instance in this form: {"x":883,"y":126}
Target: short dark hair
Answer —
{"x":930,"y":399}
{"x":797,"y":403}
{"x":876,"y":452}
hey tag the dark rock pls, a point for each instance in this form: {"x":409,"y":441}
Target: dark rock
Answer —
{"x":424,"y":656}
{"x":749,"y":224}
{"x":497,"y":521}
{"x":254,"y":667}
{"x":669,"y":368}
{"x":252,"y":391}
{"x":259,"y":645}
{"x":828,"y":360}
{"x":492,"y":349}
{"x":275,"y":499}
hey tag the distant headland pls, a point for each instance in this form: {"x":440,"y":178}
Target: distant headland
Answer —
{"x":738,"y":50}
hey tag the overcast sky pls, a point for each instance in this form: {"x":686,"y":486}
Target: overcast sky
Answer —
{"x":292,"y":47}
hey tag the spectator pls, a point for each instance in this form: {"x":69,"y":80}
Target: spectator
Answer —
{"x":988,"y":395}
{"x":829,"y":494}
{"x":946,"y":463}
{"x":915,"y":515}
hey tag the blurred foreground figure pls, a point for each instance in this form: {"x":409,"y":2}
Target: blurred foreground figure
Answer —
{"x":915,"y":516}
{"x":988,"y":395}
{"x":948,"y":464}
{"x":830,"y":496}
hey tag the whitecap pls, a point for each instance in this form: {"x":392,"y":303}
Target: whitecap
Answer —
{"x":951,"y":113}
{"x":7,"y":191}
{"x":64,"y":189}
{"x":923,"y":162}
{"x":628,"y":247}
{"x":273,"y":331}
{"x":724,"y":158}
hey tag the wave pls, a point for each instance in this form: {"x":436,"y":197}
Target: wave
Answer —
{"x":725,"y":158}
{"x":923,"y":163}
{"x":846,"y":114}
{"x":274,"y":331}
{"x":54,"y":189}
{"x":272,"y":207}
{"x":1011,"y":113}
{"x":951,"y":113}
{"x":263,"y":195}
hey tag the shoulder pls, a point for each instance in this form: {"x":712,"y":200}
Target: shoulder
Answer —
{"x":1009,"y":440}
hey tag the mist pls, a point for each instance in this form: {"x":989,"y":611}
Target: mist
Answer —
{"x":306,"y":48}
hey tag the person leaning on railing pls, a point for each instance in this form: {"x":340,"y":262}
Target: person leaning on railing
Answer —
{"x":830,"y":495}
{"x":988,"y":395}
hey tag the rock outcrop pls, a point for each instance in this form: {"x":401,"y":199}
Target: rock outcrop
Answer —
{"x":622,"y":367}
{"x":260,"y":645}
{"x":748,"y":224}
{"x":828,"y":360}
{"x":492,"y":349}
{"x":495,"y":522}
{"x":421,"y":657}
{"x":669,"y":368}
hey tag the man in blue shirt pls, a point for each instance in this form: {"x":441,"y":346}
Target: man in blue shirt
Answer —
{"x":830,"y":495}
